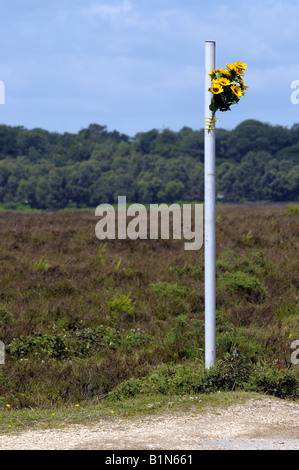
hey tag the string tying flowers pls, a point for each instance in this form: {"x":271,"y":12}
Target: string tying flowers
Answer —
{"x":227,"y":89}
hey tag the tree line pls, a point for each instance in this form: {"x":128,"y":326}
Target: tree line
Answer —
{"x":47,"y":170}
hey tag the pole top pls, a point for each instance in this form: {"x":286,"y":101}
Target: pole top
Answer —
{"x":210,"y":41}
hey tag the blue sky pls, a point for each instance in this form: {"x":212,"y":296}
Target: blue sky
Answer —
{"x":135,"y":65}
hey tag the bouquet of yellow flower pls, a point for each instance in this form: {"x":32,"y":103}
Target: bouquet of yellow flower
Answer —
{"x":227,"y":88}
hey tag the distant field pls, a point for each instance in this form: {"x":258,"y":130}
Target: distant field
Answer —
{"x":81,"y":319}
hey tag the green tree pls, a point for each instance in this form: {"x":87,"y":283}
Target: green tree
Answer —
{"x":149,"y":187}
{"x":174,"y":191}
{"x":144,"y":142}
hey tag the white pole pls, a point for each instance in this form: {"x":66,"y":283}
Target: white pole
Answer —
{"x":210,"y":236}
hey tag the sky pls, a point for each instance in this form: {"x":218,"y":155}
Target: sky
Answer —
{"x":137,"y":65}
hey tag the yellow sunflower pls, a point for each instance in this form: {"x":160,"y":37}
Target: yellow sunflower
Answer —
{"x":237,"y":90}
{"x":239,"y":71}
{"x":241,"y":65}
{"x":223,"y":81}
{"x":242,"y":84}
{"x":216,"y":88}
{"x":224,"y":71}
{"x":232,"y":67}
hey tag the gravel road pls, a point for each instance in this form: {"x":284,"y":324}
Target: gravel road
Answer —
{"x":266,"y":424}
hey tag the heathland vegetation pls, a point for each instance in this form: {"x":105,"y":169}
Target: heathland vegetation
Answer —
{"x":84,"y":320}
{"x":48,"y":170}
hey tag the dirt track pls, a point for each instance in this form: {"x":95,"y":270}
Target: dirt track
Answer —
{"x":258,"y":424}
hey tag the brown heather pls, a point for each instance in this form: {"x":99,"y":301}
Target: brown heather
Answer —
{"x":80,"y":317}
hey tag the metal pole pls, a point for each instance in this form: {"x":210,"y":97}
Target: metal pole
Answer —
{"x":210,"y":236}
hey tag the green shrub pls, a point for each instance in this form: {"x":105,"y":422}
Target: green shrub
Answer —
{"x":136,"y":339}
{"x":173,"y":298}
{"x":188,"y":270}
{"x":167,"y":291}
{"x":234,"y":372}
{"x":121,"y":304}
{"x":41,"y":265}
{"x":79,"y":343}
{"x":166,"y":380}
{"x":6,"y":317}
{"x":253,"y":262}
{"x":280,"y":383}
{"x":242,"y":283}
{"x":43,"y":345}
{"x":185,"y":340}
{"x":230,"y":373}
{"x":293,"y":210}
{"x":102,"y":252}
{"x":86,"y":341}
{"x":127,"y":389}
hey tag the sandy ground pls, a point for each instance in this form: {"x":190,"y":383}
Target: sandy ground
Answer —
{"x":266,"y":424}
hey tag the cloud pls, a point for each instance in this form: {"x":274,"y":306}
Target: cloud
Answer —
{"x":125,"y":57}
{"x":107,"y":11}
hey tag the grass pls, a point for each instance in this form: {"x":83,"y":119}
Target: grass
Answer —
{"x":85,"y":321}
{"x":16,"y":206}
{"x":14,"y":421}
{"x":293,"y":209}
